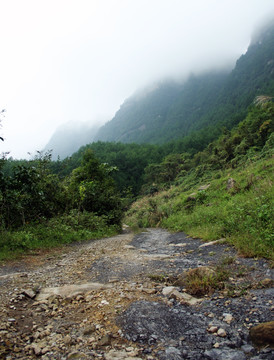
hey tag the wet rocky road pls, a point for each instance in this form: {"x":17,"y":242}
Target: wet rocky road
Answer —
{"x":125,"y":298}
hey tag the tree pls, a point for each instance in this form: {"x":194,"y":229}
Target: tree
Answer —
{"x":93,"y":189}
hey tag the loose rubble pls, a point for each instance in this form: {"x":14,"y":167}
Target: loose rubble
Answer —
{"x":124,"y":298}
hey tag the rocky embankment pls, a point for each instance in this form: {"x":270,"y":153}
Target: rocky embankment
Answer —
{"x":138,"y":297}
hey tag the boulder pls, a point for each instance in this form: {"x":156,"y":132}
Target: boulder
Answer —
{"x":201,"y":272}
{"x":263,"y":334}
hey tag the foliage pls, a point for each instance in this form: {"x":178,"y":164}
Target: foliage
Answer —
{"x":58,"y":231}
{"x":129,"y":161}
{"x":31,"y":193}
{"x":243,"y":214}
{"x":38,"y":209}
{"x":92,"y":189}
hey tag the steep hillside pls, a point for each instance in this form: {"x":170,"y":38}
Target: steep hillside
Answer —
{"x":171,"y":111}
{"x":165,"y":112}
{"x":225,"y":191}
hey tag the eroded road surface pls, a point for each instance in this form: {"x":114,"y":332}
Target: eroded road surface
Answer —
{"x":122,"y":298}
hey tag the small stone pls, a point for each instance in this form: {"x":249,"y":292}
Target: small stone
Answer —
{"x":89,"y":330}
{"x":45,"y":350}
{"x":106,"y":340}
{"x":119,"y":355}
{"x":230,"y":184}
{"x":76,"y":355}
{"x":168,"y":290}
{"x":212,"y":329}
{"x":212,"y":242}
{"x":221,"y":332}
{"x":216,"y":345}
{"x":36,"y":349}
{"x":129,"y":247}
{"x":228,"y":318}
{"x":67,"y":339}
{"x":204,"y":187}
{"x":104,"y":302}
{"x":29,"y":293}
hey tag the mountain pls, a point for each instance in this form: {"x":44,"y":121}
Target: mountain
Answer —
{"x":193,"y":111}
{"x":169,"y":110}
{"x":69,"y":137}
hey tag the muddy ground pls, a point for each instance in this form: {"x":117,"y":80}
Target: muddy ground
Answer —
{"x":116,"y":302}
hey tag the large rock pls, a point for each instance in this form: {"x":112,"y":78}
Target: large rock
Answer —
{"x":173,"y":293}
{"x":200,"y":272}
{"x":69,"y":291}
{"x":263,"y":334}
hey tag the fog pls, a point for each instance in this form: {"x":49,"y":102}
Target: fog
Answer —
{"x":78,"y":60}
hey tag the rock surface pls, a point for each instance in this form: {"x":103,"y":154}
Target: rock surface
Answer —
{"x":263,"y":334}
{"x":116,"y":299}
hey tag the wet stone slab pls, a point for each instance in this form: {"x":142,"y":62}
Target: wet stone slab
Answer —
{"x":181,"y":332}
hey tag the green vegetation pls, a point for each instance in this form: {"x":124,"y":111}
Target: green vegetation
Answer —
{"x":242,"y":213}
{"x":129,"y":161}
{"x":58,"y":231}
{"x":210,"y":174}
{"x":39,"y":210}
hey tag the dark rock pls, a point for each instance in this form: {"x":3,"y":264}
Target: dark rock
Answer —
{"x":191,"y":197}
{"x":224,"y":354}
{"x":248,"y":349}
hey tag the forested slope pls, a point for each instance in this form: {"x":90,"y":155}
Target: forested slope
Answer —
{"x":224,"y":191}
{"x":171,"y":111}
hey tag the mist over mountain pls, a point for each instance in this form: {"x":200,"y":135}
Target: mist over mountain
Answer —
{"x":69,"y":137}
{"x":170,"y":110}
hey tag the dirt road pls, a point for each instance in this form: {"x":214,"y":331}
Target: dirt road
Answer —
{"x":117,"y":298}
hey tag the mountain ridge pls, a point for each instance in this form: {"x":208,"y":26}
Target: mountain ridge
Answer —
{"x":200,"y":106}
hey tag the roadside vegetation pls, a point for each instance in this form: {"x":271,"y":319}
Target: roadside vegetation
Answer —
{"x":40,"y":210}
{"x":225,"y":191}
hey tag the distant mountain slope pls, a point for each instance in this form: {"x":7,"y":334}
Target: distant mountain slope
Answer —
{"x":170,"y":110}
{"x":69,"y":138}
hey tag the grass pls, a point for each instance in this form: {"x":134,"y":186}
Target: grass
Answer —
{"x":56,"y":232}
{"x":198,"y":284}
{"x":242,"y":215}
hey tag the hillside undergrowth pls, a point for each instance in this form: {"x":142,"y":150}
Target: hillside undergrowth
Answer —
{"x":211,"y":210}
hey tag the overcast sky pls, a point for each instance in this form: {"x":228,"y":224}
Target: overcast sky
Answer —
{"x":78,"y":60}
